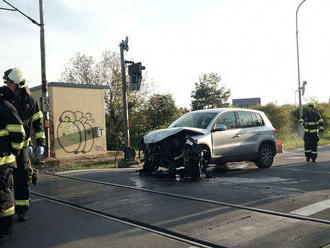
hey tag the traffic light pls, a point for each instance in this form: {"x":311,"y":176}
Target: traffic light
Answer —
{"x":135,"y":75}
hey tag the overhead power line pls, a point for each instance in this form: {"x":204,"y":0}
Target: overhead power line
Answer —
{"x":16,"y":9}
{"x":8,"y":9}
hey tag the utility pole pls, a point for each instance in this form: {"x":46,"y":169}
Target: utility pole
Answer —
{"x":45,"y":103}
{"x":300,"y":129}
{"x":129,"y":152}
{"x":44,"y":85}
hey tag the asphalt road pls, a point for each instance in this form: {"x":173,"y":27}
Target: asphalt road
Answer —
{"x":290,"y":186}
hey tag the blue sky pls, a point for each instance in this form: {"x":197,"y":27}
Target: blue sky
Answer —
{"x":251,"y":44}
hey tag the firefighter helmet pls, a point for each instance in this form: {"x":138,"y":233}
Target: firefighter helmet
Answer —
{"x":311,"y":104}
{"x":15,"y":75}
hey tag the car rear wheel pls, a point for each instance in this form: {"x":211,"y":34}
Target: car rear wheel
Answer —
{"x":265,"y":156}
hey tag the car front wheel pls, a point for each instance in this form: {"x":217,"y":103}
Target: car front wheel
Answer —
{"x":265,"y":156}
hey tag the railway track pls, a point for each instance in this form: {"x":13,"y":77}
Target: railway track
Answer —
{"x":219,"y":230}
{"x":134,"y":223}
{"x":185,"y":197}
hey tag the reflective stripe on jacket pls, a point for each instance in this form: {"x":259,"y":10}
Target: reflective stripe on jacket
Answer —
{"x":7,"y":212}
{"x":22,"y":202}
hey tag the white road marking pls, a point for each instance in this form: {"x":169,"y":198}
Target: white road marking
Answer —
{"x":313,"y":208}
{"x":300,"y":157}
{"x":241,"y":180}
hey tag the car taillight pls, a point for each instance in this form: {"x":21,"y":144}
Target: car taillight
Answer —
{"x":274,"y":130}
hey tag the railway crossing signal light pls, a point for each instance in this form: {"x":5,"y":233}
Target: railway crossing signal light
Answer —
{"x":135,"y":75}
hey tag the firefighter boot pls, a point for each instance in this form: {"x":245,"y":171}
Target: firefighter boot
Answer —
{"x":22,"y":213}
{"x":6,"y":228}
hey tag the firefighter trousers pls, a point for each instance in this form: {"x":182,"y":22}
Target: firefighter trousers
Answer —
{"x":311,"y":145}
{"x":21,"y":182}
{"x":7,"y":208}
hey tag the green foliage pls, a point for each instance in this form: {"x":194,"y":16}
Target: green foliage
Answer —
{"x":208,"y":93}
{"x":138,"y":126}
{"x":324,"y":111}
{"x":285,"y":119}
{"x":160,"y":110}
{"x":180,"y":112}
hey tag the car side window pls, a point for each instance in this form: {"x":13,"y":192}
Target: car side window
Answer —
{"x":228,"y":119}
{"x":257,"y":120}
{"x":245,"y":118}
{"x":260,"y":120}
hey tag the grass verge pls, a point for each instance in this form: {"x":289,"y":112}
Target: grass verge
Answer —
{"x":84,"y":167}
{"x":43,"y":167}
{"x":293,"y":141}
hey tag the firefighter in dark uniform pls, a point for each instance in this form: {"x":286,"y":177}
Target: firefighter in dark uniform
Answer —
{"x":11,"y":142}
{"x":32,"y":118}
{"x":313,"y":124}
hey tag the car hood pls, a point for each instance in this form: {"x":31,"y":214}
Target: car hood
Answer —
{"x":161,"y":134}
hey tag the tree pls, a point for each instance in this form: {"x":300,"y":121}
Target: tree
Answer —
{"x":157,"y":112}
{"x":160,"y":110}
{"x":80,"y":70}
{"x":180,"y":112}
{"x":208,"y":93}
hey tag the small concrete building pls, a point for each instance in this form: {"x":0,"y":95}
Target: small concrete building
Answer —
{"x":77,"y":119}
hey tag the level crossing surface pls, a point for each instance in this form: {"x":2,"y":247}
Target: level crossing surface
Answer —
{"x":291,"y":187}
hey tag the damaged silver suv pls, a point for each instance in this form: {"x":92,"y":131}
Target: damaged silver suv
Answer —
{"x":209,"y":136}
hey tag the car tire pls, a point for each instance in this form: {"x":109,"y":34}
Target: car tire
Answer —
{"x":265,"y":156}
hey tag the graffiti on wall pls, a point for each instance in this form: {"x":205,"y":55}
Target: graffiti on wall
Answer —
{"x":75,"y":132}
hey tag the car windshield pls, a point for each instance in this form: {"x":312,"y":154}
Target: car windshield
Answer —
{"x":194,"y":119}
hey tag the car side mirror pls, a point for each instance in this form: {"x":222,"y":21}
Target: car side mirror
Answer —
{"x":219,"y":127}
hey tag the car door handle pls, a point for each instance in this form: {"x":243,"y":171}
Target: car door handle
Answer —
{"x":237,"y":135}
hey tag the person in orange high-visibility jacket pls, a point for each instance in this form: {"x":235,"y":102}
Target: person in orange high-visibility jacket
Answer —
{"x":313,"y":124}
{"x":32,"y":118}
{"x":12,"y":136}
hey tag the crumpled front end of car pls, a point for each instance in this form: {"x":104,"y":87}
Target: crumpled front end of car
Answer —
{"x":175,"y":150}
